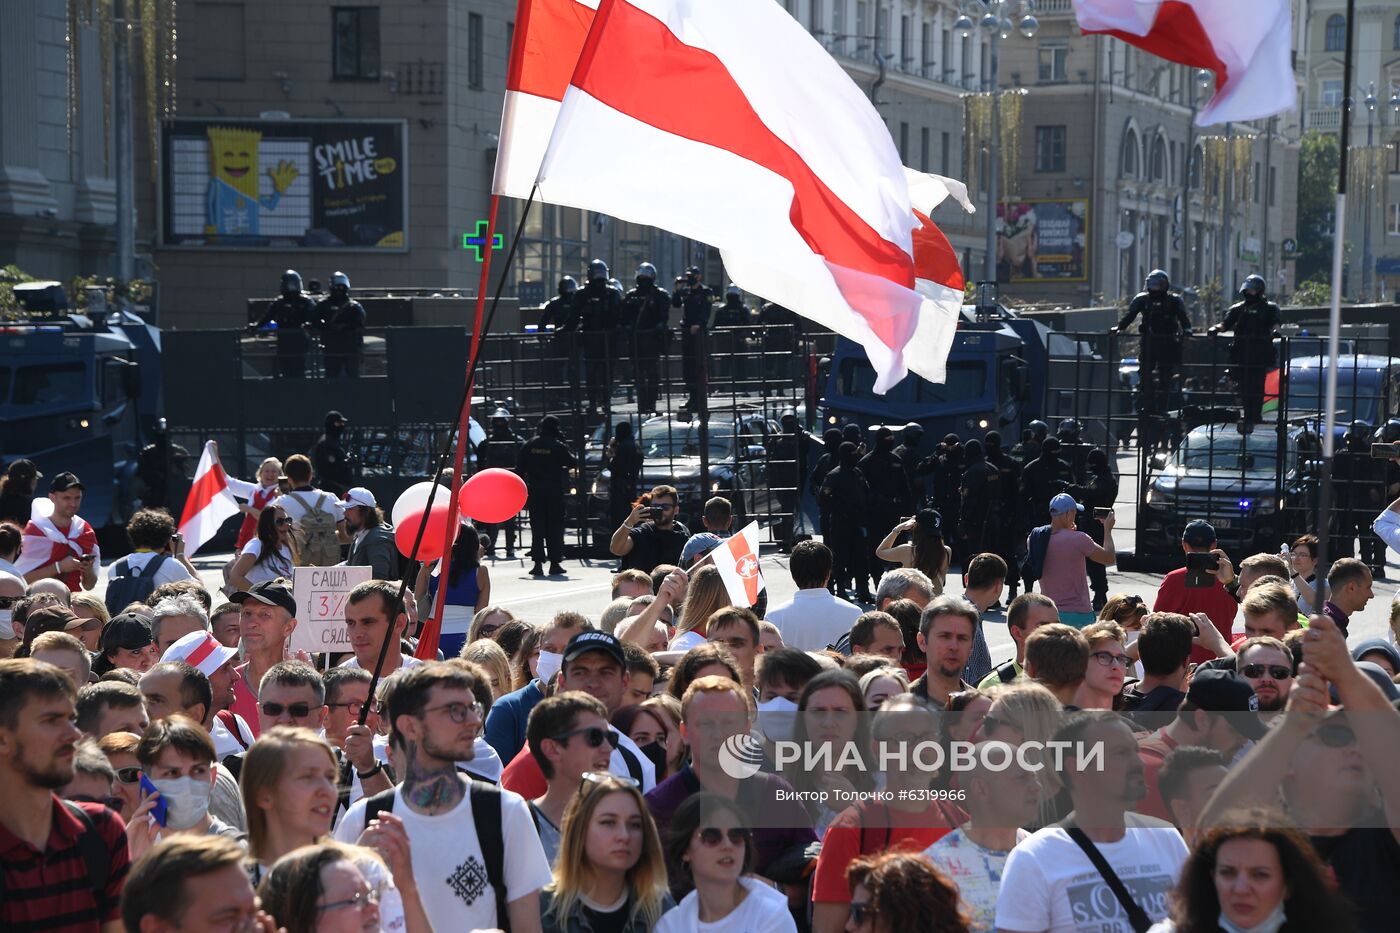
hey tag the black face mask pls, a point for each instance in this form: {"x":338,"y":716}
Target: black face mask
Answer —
{"x":655,"y":752}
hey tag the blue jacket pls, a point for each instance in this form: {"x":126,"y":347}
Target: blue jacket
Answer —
{"x":505,"y":724}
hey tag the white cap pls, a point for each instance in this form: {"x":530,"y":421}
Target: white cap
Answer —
{"x":201,"y":651}
{"x":361,"y":496}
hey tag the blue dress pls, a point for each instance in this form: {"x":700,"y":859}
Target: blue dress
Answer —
{"x":457,"y":611}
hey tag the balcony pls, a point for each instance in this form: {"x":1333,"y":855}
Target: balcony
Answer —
{"x":1326,"y":119}
{"x":1051,"y":7}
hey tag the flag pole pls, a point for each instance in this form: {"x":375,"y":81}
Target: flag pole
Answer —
{"x":1334,"y":323}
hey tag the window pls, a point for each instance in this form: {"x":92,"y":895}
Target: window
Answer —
{"x":862,"y":27}
{"x":1194,"y":172}
{"x":1256,"y":182}
{"x":1332,"y":93}
{"x":50,"y":384}
{"x":1049,"y":148}
{"x":355,"y":43}
{"x":924,"y":154}
{"x":1395,"y":35}
{"x":1128,"y":162}
{"x":1053,"y":57}
{"x":944,"y":155}
{"x":882,"y":31}
{"x":906,"y":41}
{"x":1392,"y":219}
{"x":946,"y":61}
{"x":1159,"y":160}
{"x":838,"y":25}
{"x":926,"y":50}
{"x":476,"y":50}
{"x":1273,"y":185}
{"x":814,"y":19}
{"x":904,"y":142}
{"x":217,"y":51}
{"x":1336,"y":33}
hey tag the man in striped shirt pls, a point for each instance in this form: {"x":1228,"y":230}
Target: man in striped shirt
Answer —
{"x":62,"y":864}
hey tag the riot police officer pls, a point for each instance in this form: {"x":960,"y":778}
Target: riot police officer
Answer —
{"x":498,"y":452}
{"x":560,"y":310}
{"x":335,"y":466}
{"x":1254,"y":320}
{"x":1164,"y":324}
{"x":1359,"y":482}
{"x":786,"y":467}
{"x":154,"y":465}
{"x":846,"y":496}
{"x":831,"y":444}
{"x":1032,"y":437}
{"x":1011,"y":533}
{"x":599,"y":307}
{"x":695,"y":299}
{"x":947,"y":486}
{"x":908,"y":453}
{"x":292,"y":315}
{"x":648,"y":308}
{"x":980,"y":506}
{"x":1042,"y":479}
{"x":624,"y":463}
{"x":1073,"y":450}
{"x":890,"y":497}
{"x":545,"y":462}
{"x":341,"y":321}
{"x":1098,"y":489}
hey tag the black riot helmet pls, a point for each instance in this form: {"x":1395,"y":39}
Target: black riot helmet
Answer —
{"x":1069,"y":430}
{"x":1356,"y":434}
{"x":1390,"y":431}
{"x":884,"y":439}
{"x":500,"y":418}
{"x":646,"y":274}
{"x":733,"y":294}
{"x":1253,"y":287}
{"x":693,"y":274}
{"x":1039,"y":430}
{"x":850,"y":433}
{"x":291,"y":283}
{"x":973,"y":450}
{"x":1157,"y":281}
{"x":831,"y":439}
{"x":597,"y":269}
{"x":992,"y":441}
{"x":568,"y":285}
{"x":911,"y":434}
{"x":788,"y":419}
{"x":340,"y":285}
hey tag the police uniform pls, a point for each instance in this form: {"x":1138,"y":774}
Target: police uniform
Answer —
{"x":847,"y":497}
{"x":890,"y":498}
{"x":980,"y":513}
{"x":499,"y":451}
{"x":649,"y":309}
{"x":624,"y":478}
{"x":695,"y":302}
{"x":599,"y":308}
{"x":545,"y":462}
{"x":1010,"y":533}
{"x":1252,"y":351}
{"x":341,"y":321}
{"x":1164,"y":321}
{"x":292,"y":314}
{"x":786,"y":467}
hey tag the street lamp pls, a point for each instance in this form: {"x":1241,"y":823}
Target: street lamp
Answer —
{"x":997,"y":24}
{"x":1366,"y":261}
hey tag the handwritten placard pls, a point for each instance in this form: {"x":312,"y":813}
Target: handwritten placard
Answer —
{"x":321,"y":593}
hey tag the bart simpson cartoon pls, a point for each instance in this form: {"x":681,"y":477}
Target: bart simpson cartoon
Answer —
{"x":232,"y":204}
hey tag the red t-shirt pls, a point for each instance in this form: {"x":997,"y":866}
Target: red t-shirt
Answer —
{"x":875,"y":827}
{"x":1153,"y":749}
{"x":1214,"y":600}
{"x":523,"y":775}
{"x":245,"y":699}
{"x":50,"y":890}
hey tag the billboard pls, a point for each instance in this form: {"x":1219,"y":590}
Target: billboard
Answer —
{"x":1043,"y":240}
{"x":285,"y":184}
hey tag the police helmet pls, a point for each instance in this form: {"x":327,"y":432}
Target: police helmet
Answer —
{"x":788,"y":412}
{"x":500,"y":414}
{"x":341,"y":280}
{"x":1390,"y":431}
{"x":646,"y":271}
{"x":912,"y":431}
{"x":733,"y":291}
{"x":693,"y":272}
{"x":1069,"y":430}
{"x":1356,"y":433}
{"x":597,"y":269}
{"x":568,"y":285}
{"x":851,"y":433}
{"x":1157,"y":281}
{"x":1039,"y":429}
{"x":291,"y":282}
{"x":1253,"y":286}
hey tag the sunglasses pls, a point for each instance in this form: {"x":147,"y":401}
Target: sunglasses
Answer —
{"x":1109,"y":659}
{"x":282,"y":521}
{"x":295,"y":710}
{"x":712,"y":836}
{"x":128,"y":775}
{"x":607,"y":777}
{"x":861,"y":912}
{"x":1277,"y":672}
{"x":1335,"y":735}
{"x":487,"y":631}
{"x":593,"y":736}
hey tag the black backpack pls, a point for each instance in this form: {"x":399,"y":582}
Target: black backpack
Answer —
{"x":487,"y":803}
{"x":125,"y":587}
{"x":93,"y":847}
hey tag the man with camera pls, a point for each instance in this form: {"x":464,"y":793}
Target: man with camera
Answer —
{"x":657,"y":540}
{"x":1200,"y":585}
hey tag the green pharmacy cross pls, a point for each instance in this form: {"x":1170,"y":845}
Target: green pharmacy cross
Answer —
{"x":477,"y":241}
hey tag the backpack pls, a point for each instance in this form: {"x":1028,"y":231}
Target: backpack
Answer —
{"x":1037,"y":543}
{"x":125,"y":587}
{"x":487,"y":803}
{"x":93,"y":848}
{"x":317,"y":545}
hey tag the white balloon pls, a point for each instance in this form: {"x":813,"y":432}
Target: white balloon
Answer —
{"x":415,"y":499}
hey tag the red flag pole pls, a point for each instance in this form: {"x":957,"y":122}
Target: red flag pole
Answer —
{"x":432,"y":626}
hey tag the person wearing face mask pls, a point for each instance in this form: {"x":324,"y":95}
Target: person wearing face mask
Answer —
{"x":335,"y":466}
{"x":177,"y":756}
{"x":1008,"y":534}
{"x":506,"y":723}
{"x":695,"y":299}
{"x":341,"y":322}
{"x":890,"y":495}
{"x":291,"y":315}
{"x":649,"y":311}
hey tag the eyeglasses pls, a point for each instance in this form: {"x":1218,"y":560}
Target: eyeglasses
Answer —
{"x":354,"y":706}
{"x":1336,"y":735}
{"x":593,"y":736}
{"x":606,"y":777}
{"x":486,"y":631}
{"x":712,"y":836}
{"x":861,"y":912}
{"x":282,"y":521}
{"x":111,"y":803}
{"x":128,"y":775}
{"x":457,"y":712}
{"x":362,"y":899}
{"x":1276,"y":671}
{"x":1109,"y":659}
{"x":295,"y":710}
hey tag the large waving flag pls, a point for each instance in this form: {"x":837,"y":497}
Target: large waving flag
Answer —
{"x":679,"y":115}
{"x":1247,"y":43}
{"x":210,"y":502}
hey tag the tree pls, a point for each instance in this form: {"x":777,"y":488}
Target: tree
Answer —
{"x":1317,"y":203}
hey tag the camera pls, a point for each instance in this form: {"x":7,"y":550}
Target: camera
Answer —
{"x":1200,"y":570}
{"x":657,"y":513}
{"x":1385,"y":451}
{"x":1102,"y":513}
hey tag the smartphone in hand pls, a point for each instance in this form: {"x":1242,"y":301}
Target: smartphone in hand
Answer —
{"x":160,"y":810}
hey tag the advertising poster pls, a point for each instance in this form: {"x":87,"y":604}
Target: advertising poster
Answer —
{"x":1043,"y":240}
{"x":285,"y":184}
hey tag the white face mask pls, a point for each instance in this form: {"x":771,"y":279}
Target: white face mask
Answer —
{"x":186,"y":800}
{"x":7,"y":629}
{"x":777,"y":718}
{"x":548,"y":665}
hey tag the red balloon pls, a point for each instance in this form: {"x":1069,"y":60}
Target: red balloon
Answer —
{"x":431,"y":547}
{"x":492,"y":496}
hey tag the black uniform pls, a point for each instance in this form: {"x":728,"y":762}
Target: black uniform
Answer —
{"x":561,"y":312}
{"x":1254,"y":321}
{"x":153,"y":466}
{"x":545,"y":463}
{"x":786,"y":468}
{"x":979,"y":526}
{"x":341,"y":321}
{"x":846,"y":495}
{"x":1164,"y":322}
{"x":624,"y":476}
{"x":1011,"y":533}
{"x":695,"y":301}
{"x":947,"y":488}
{"x":1098,"y":489}
{"x":294,"y":315}
{"x":499,"y":451}
{"x":908,"y":454}
{"x":890,"y":498}
{"x":335,"y":466}
{"x":779,"y":342}
{"x":831,"y":442}
{"x":599,"y":309}
{"x":1042,"y":479}
{"x":648,"y":307}
{"x":1358,"y":481}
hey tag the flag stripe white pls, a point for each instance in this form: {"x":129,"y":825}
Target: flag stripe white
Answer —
{"x":210,"y":502}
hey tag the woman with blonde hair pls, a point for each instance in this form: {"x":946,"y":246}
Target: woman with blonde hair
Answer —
{"x":611,"y":869}
{"x":91,"y":608}
{"x":705,"y":594}
{"x":488,"y":621}
{"x":1024,"y":711}
{"x":493,"y":660}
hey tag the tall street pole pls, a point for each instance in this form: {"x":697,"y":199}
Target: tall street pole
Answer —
{"x":993,"y":163}
{"x":1227,"y":266}
{"x":121,"y":121}
{"x":1185,"y":220}
{"x":1367,"y":190}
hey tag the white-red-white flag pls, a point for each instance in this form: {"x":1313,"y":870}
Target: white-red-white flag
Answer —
{"x":680,"y":115}
{"x":938,"y":274}
{"x":1247,"y":43}
{"x":547,"y":39}
{"x":210,"y":502}
{"x":736,"y":559}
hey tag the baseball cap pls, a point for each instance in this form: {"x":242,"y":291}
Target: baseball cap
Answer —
{"x":361,"y":496}
{"x":270,"y":593}
{"x":24,"y":469}
{"x":1222,"y":691}
{"x":64,"y":482}
{"x":126,"y":630}
{"x":52,"y":619}
{"x":1063,"y":503}
{"x":1198,"y":533}
{"x":201,"y":651}
{"x":593,"y":640}
{"x":698,"y":545}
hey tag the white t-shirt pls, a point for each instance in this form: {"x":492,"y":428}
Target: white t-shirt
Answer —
{"x":315,"y":498}
{"x":270,"y":569}
{"x":406,"y":660}
{"x":448,"y":864}
{"x":691,"y":639}
{"x":224,"y":742}
{"x":976,"y":871}
{"x":170,"y":571}
{"x":813,"y":619}
{"x":765,"y":910}
{"x":1051,"y":885}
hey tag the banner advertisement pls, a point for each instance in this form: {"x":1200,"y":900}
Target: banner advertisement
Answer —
{"x":1043,"y":240}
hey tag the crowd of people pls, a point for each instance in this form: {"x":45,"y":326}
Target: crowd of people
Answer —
{"x":167,"y":762}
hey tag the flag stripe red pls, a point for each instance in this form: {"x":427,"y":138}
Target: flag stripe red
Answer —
{"x":1178,"y":36}
{"x":206,"y":487}
{"x":548,"y":33}
{"x":634,"y":64}
{"x":198,"y":655}
{"x":934,"y":257}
